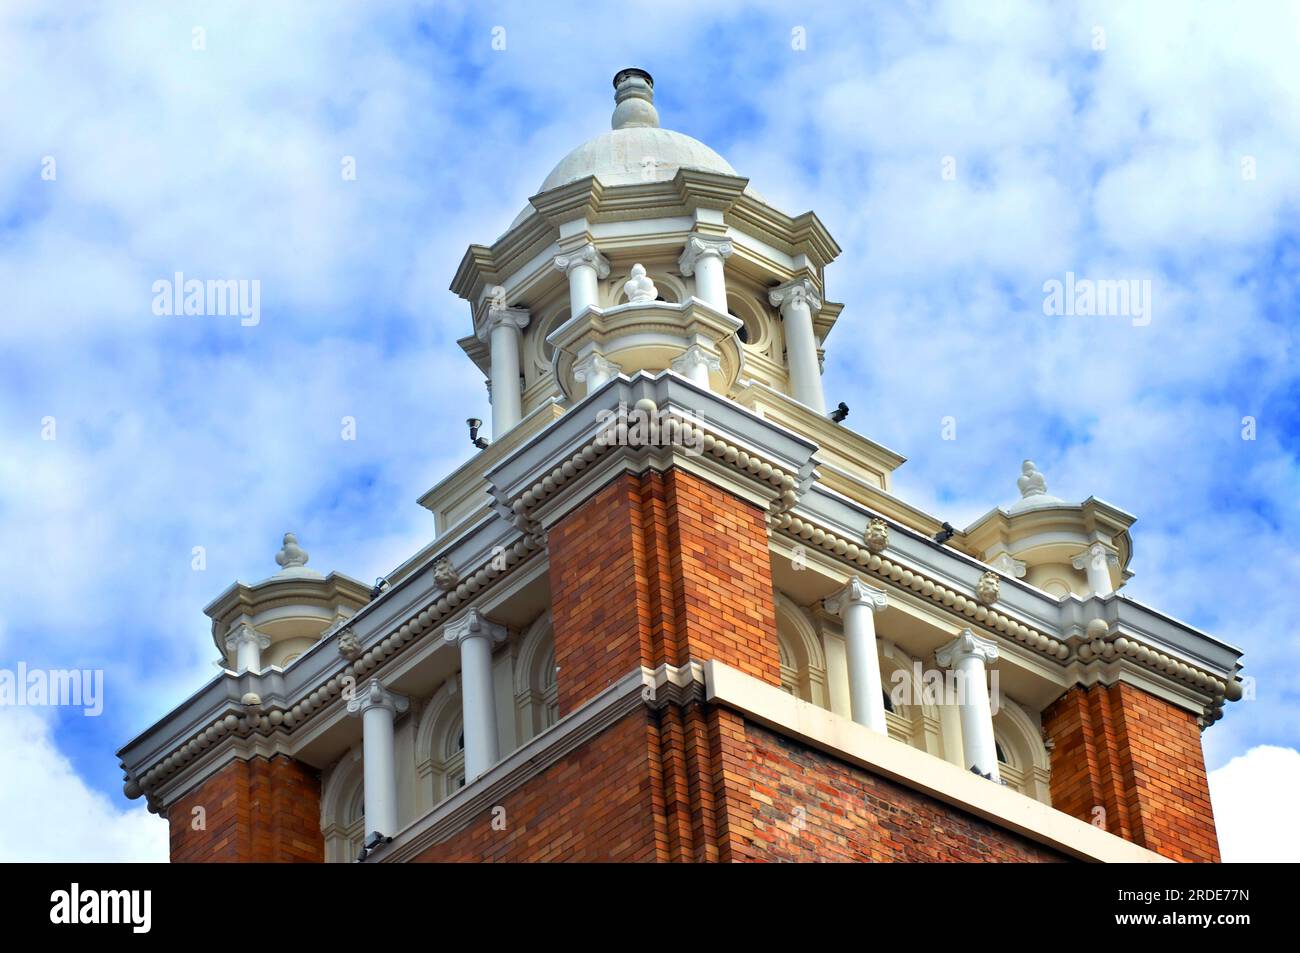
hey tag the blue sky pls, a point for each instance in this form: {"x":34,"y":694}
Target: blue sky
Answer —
{"x":1106,"y":139}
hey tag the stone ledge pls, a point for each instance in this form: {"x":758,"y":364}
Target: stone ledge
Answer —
{"x":857,"y":745}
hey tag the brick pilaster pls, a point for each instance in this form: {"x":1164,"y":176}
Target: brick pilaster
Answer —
{"x":256,"y":810}
{"x":660,"y":568}
{"x":1138,"y":758}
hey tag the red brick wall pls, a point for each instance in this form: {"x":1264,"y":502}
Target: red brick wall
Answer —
{"x":255,"y":810}
{"x":699,"y":783}
{"x":807,"y":806}
{"x":659,"y":568}
{"x":1139,"y":759}
{"x":595,"y":804}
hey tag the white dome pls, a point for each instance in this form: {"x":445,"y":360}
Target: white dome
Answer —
{"x":636,"y":149}
{"x":635,"y":154}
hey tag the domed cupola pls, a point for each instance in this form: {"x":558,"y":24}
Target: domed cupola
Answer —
{"x":645,"y":250}
{"x":272,"y":622}
{"x":635,"y":149}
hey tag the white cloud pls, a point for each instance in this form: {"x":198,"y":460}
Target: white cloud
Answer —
{"x":1254,"y":805}
{"x":49,"y":812}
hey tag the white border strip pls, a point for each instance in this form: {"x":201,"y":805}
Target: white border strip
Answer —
{"x":913,"y":768}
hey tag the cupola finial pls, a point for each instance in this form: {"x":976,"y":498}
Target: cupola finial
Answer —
{"x":634,"y":98}
{"x":291,"y":555}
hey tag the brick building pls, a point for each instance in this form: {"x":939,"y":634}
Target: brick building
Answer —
{"x":673,"y":612}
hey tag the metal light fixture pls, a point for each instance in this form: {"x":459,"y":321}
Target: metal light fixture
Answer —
{"x":474,"y":438}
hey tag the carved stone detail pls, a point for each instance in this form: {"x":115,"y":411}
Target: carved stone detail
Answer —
{"x":586,"y":255}
{"x":349,"y":645}
{"x":639,"y":289}
{"x":877,"y":535}
{"x":445,"y":575}
{"x":986,"y":590}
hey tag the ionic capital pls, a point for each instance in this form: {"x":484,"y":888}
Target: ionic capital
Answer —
{"x":696,"y":356}
{"x":1008,"y":565}
{"x":794,"y":294}
{"x":594,"y":366}
{"x":966,"y":645}
{"x":1095,"y":555}
{"x":856,"y":593}
{"x":473,"y":625}
{"x":516,"y":318}
{"x":587,"y":255}
{"x":375,"y":695}
{"x":245,"y":634}
{"x":703,"y":246}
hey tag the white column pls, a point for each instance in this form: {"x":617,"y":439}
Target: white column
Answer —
{"x":857,"y":604}
{"x":798,"y":302}
{"x":501,"y":332}
{"x":967,"y":655}
{"x":247,"y":644}
{"x":584,"y":266}
{"x":378,"y":707}
{"x":594,"y":370}
{"x":476,"y":636}
{"x":695,"y":363}
{"x":704,"y":256}
{"x":1096,"y":561}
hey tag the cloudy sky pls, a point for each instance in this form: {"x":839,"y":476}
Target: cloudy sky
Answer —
{"x":963,"y":154}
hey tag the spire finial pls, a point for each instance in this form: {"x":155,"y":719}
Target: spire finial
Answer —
{"x":634,"y":98}
{"x":1033,"y":489}
{"x":291,"y":555}
{"x":1031,"y":481}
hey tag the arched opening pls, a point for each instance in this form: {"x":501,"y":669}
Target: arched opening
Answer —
{"x":536,"y":697}
{"x":343,"y":807}
{"x":440,"y":746}
{"x":803,"y":662}
{"x":1023,"y":761}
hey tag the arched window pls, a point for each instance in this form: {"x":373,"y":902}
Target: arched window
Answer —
{"x":536,"y":698}
{"x":905,"y":708}
{"x":803,"y":661}
{"x":440,"y":746}
{"x":1023,"y":761}
{"x":454,"y":763}
{"x":343,"y":808}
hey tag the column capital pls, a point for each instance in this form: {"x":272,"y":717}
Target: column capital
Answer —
{"x":516,"y":318}
{"x":703,"y":246}
{"x":792,"y":294}
{"x":856,"y":593}
{"x":594,"y":366}
{"x":1096,"y":554}
{"x":245,"y":633}
{"x":695,"y":356}
{"x":966,"y":645}
{"x":473,"y":624}
{"x":1008,"y":565}
{"x":375,"y":695}
{"x":588,"y":255}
